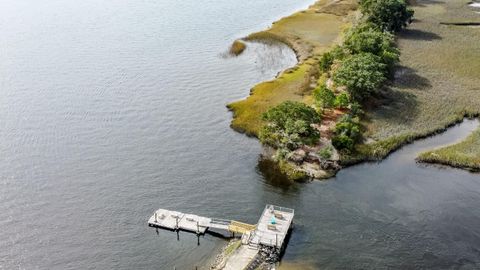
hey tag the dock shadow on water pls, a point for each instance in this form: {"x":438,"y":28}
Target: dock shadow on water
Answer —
{"x":395,"y":213}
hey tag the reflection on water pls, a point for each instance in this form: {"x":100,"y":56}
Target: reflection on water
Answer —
{"x":390,"y":214}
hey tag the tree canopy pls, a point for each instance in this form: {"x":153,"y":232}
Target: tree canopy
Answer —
{"x":289,"y":125}
{"x":362,"y":74}
{"x":365,"y":38}
{"x":388,"y":15}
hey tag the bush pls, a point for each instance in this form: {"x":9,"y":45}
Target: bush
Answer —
{"x":365,"y":38}
{"x":327,"y":59}
{"x":342,"y":100}
{"x":388,"y":15}
{"x":343,"y":142}
{"x":362,"y":74}
{"x":356,"y":109}
{"x":347,"y":133}
{"x":325,"y":153}
{"x":324,"y":97}
{"x":289,"y":126}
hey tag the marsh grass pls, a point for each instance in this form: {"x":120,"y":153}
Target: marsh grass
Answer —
{"x":309,"y":33}
{"x":436,"y":86}
{"x":232,"y":247}
{"x":288,"y":86}
{"x":465,"y":154}
{"x":237,"y":47}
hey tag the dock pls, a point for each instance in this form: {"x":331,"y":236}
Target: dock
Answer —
{"x":271,"y":230}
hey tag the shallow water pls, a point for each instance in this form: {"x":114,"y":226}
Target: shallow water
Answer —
{"x":112,"y":109}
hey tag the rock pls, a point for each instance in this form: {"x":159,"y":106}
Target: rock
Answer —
{"x":298,"y":156}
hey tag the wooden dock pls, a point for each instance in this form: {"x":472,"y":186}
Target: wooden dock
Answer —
{"x":271,"y":230}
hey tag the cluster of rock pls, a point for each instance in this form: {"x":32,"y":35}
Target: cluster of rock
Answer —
{"x":265,"y":259}
{"x":302,"y":155}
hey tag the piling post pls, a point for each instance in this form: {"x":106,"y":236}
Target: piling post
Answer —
{"x":156,"y":217}
{"x":198,"y":229}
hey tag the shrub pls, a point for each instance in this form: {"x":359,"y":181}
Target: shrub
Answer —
{"x":326,"y":61}
{"x":343,"y":142}
{"x":328,"y":58}
{"x":342,"y":100}
{"x":356,"y":109}
{"x":324,"y":97}
{"x":289,"y":125}
{"x":347,"y":133}
{"x":326,"y":152}
{"x":362,"y":74}
{"x":388,"y":15}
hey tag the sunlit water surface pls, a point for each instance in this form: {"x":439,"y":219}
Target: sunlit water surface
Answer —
{"x":112,"y":109}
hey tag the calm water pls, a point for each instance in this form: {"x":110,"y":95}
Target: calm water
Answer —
{"x":112,"y":109}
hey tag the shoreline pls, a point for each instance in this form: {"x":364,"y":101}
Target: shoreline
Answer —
{"x":379,"y":148}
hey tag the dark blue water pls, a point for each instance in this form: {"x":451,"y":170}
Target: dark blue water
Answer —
{"x":112,"y":109}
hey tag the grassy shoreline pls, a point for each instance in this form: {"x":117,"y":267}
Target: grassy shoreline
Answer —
{"x":463,"y":155}
{"x":309,"y":33}
{"x":436,"y":83}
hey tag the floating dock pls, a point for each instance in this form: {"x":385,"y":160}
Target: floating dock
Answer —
{"x":271,"y":230}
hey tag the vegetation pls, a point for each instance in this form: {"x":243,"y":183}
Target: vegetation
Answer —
{"x":342,"y":101}
{"x":326,"y":152}
{"x":369,"y":39}
{"x":362,"y":74}
{"x":347,"y":133}
{"x":232,"y":246}
{"x":324,"y":97}
{"x":388,"y":15}
{"x":289,"y":126}
{"x":465,"y":154}
{"x":237,"y":47}
{"x":433,"y":89}
{"x":247,"y":113}
{"x":321,"y":27}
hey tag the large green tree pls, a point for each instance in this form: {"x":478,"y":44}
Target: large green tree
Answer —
{"x":289,"y":126}
{"x":389,"y":15}
{"x":362,"y":74}
{"x":365,"y":38}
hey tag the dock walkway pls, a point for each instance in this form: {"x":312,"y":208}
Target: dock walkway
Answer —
{"x":271,"y":229}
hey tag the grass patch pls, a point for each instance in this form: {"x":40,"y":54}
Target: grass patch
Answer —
{"x":436,"y":84}
{"x":232,"y":247}
{"x":237,"y":47}
{"x":465,"y":154}
{"x":309,"y":33}
{"x":288,"y":86}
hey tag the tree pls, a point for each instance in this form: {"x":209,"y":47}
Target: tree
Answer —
{"x":289,"y":126}
{"x":365,"y":38}
{"x":388,"y":15}
{"x":324,"y":97}
{"x":362,"y":74}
